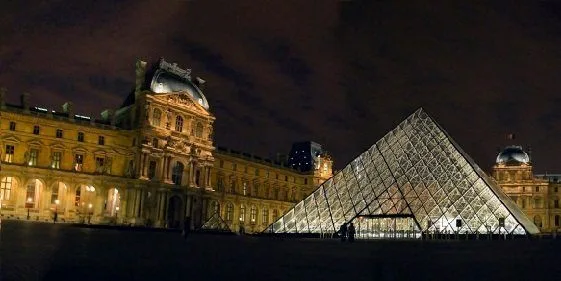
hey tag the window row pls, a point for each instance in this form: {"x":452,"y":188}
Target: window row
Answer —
{"x":102,"y":163}
{"x":257,"y":172}
{"x":243,"y":215}
{"x":254,"y":190}
{"x":59,"y":133}
{"x":196,"y":130}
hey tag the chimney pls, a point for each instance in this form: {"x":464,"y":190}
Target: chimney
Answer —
{"x":3,"y":93}
{"x":68,"y":108}
{"x":108,"y":116}
{"x":529,"y":153}
{"x":200,"y":83}
{"x":25,"y":102}
{"x":140,"y":71}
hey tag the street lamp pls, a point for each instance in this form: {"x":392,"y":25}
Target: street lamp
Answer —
{"x":89,"y":212}
{"x":28,"y":205}
{"x":56,"y":210}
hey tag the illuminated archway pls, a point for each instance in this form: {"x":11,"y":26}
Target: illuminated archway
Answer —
{"x":58,"y":195}
{"x":113,"y":203}
{"x":33,"y":190}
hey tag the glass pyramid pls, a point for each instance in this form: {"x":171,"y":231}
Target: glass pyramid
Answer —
{"x":215,"y":224}
{"x":417,"y":179}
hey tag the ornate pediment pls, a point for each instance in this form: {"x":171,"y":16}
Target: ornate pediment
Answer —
{"x":183,"y":100}
{"x":79,"y":149}
{"x":57,"y":146}
{"x":35,"y":142}
{"x":11,"y":138}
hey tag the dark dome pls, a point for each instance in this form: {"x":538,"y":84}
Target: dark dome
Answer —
{"x":513,"y":155}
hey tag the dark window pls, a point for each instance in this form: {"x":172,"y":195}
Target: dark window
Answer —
{"x":155,"y":142}
{"x":556,"y":203}
{"x":177,"y":173}
{"x":179,"y":124}
{"x":9,"y":156}
{"x":59,"y":133}
{"x":12,"y":126}
{"x":80,"y":137}
{"x":537,"y":189}
{"x":305,"y":181}
{"x":101,"y":140}
{"x":99,"y":164}
{"x":152,"y":170}
{"x":35,"y":130}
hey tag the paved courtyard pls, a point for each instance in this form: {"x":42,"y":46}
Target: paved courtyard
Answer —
{"x":61,"y":252}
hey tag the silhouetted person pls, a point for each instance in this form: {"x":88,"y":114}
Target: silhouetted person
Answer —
{"x":242,"y":229}
{"x":186,"y":227}
{"x":343,"y":232}
{"x":55,"y":217}
{"x":351,"y":233}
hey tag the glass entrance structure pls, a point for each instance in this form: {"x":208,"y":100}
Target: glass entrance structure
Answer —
{"x":414,"y":179}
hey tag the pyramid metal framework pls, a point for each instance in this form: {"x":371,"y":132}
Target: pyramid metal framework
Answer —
{"x":215,"y":223}
{"x":416,"y":171}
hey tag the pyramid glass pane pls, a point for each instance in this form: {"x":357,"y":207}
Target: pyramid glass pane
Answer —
{"x":415,"y":178}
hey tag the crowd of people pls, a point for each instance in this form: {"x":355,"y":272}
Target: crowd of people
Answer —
{"x":347,"y":232}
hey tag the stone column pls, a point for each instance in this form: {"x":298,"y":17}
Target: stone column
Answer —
{"x":164,"y":168}
{"x":145,"y":165}
{"x":168,"y":172}
{"x":142,"y":199}
{"x":162,"y":208}
{"x":208,"y":183}
{"x":191,"y":173}
{"x":98,"y":206}
{"x":136,"y":211}
{"x":141,"y":172}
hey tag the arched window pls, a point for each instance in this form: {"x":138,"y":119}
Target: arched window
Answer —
{"x":199,"y":130}
{"x":156,"y":117}
{"x":179,"y":124}
{"x":85,"y":196}
{"x":242,"y":213}
{"x":177,"y":173}
{"x":8,"y":184}
{"x":557,"y":220}
{"x":538,"y":221}
{"x":32,"y":193}
{"x":253,"y":214}
{"x":113,"y":202}
{"x":265,"y":216}
{"x":214,"y":208}
{"x":57,"y":195}
{"x":229,"y":211}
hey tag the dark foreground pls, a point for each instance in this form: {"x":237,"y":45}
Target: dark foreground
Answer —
{"x":61,"y":252}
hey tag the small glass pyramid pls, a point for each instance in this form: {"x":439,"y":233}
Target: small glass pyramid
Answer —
{"x":415,"y":179}
{"x":215,"y":224}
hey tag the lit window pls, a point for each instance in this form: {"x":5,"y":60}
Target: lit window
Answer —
{"x":244,"y":188}
{"x":99,"y":164}
{"x":55,"y":163}
{"x":156,"y":117}
{"x":80,"y":137}
{"x":242,"y":213}
{"x":179,"y":124}
{"x":31,"y":193}
{"x":6,"y":188}
{"x":35,"y":130}
{"x":9,"y":155}
{"x":253,"y":214}
{"x":101,"y":140}
{"x":12,"y":126}
{"x":265,"y":214}
{"x":199,"y":130}
{"x":229,"y":212}
{"x":59,"y":133}
{"x":33,"y":155}
{"x":78,"y":162}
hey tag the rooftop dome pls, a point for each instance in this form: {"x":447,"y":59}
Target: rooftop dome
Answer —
{"x":513,"y":155}
{"x":169,"y":78}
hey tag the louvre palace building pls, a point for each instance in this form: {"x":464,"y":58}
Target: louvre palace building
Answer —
{"x":150,"y":162}
{"x":153,"y":162}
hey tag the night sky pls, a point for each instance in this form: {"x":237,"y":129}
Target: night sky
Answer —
{"x":341,"y":73}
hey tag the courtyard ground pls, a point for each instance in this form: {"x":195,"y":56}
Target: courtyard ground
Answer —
{"x":40,"y":251}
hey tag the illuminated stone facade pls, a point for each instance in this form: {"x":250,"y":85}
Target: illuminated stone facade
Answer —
{"x":536,"y":195}
{"x":150,"y":162}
